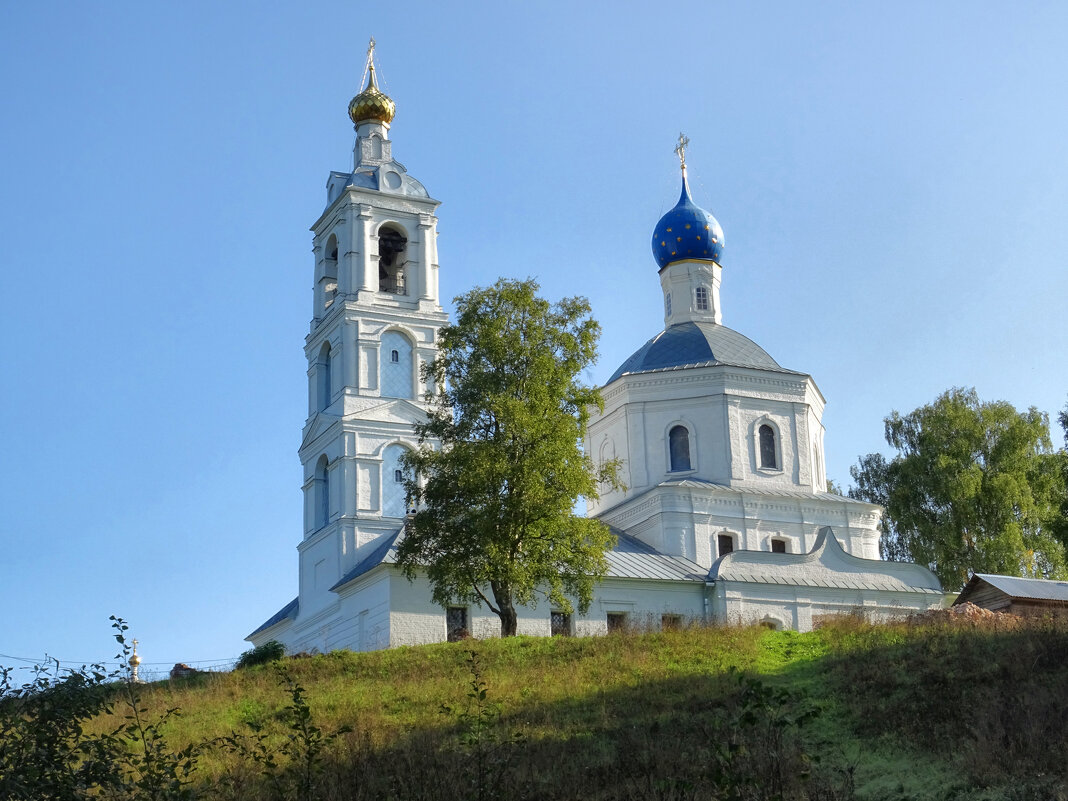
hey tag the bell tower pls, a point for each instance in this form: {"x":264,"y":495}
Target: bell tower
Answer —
{"x":375,"y":321}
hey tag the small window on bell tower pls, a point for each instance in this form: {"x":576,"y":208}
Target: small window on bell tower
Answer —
{"x":667,"y":305}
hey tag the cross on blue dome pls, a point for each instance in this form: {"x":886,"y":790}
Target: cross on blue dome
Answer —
{"x":687,"y":232}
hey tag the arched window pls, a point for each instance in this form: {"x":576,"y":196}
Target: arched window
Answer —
{"x":322,"y":493}
{"x":778,"y":545}
{"x":768,"y":457}
{"x":393,"y":501}
{"x":397,"y":372}
{"x":323,"y":388}
{"x":392,"y":256}
{"x":702,"y":298}
{"x":679,"y":447}
{"x":376,"y":146}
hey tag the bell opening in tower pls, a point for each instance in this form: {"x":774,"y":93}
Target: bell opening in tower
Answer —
{"x":392,"y":258}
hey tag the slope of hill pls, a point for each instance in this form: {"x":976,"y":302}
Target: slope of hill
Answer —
{"x":939,"y":708}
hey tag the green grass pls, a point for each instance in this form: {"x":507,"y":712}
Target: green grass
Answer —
{"x":925,"y":711}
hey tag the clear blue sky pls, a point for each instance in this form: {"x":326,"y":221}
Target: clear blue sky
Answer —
{"x":892,"y":179}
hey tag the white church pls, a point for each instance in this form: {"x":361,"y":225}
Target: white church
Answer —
{"x":725,"y":517}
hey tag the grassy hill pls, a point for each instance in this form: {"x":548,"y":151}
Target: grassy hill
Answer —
{"x":939,"y":709}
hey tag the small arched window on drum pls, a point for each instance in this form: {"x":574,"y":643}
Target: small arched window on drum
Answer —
{"x":679,"y":448}
{"x":768,"y":456}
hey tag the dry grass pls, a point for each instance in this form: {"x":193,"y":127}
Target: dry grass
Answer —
{"x":932,"y":708}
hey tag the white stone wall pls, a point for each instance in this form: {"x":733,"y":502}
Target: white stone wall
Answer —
{"x":415,"y":619}
{"x":686,"y":521}
{"x":798,"y":608}
{"x":722,"y":408}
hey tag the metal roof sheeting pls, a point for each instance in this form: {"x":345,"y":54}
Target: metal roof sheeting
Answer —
{"x":633,"y":559}
{"x":826,"y":565}
{"x":1036,"y":589}
{"x":287,"y":611}
{"x":382,"y":550}
{"x":693,"y":344}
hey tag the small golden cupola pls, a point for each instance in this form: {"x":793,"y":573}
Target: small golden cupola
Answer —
{"x":372,"y":103}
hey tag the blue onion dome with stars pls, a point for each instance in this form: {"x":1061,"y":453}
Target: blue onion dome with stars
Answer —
{"x":687,"y":231}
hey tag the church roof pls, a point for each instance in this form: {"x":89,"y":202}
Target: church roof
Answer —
{"x":287,"y":611}
{"x":631,"y":559}
{"x":826,"y":565}
{"x":634,"y":559}
{"x":382,"y":550}
{"x":697,"y":344}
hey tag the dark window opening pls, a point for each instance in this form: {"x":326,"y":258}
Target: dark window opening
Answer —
{"x":329,"y":279}
{"x":394,"y":356}
{"x":679,"y":446}
{"x":324,"y":391}
{"x":322,"y":493}
{"x":671,"y":622}
{"x":456,"y":623}
{"x":725,"y":543}
{"x":398,"y":476}
{"x":392,"y":245}
{"x":560,"y":624}
{"x":778,"y":546}
{"x":617,"y":621}
{"x":767,"y":448}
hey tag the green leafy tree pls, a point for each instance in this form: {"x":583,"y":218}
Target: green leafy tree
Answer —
{"x":974,"y":487}
{"x":495,"y":523}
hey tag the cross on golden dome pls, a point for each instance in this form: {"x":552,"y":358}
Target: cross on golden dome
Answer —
{"x":371,"y":103}
{"x":680,"y":149}
{"x":369,"y":62}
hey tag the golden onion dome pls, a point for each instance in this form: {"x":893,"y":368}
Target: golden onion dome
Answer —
{"x":135,"y":660}
{"x":371,"y":103}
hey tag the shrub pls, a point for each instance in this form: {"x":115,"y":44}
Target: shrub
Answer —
{"x":270,"y":651}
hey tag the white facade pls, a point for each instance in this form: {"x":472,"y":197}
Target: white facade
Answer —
{"x":724,"y":516}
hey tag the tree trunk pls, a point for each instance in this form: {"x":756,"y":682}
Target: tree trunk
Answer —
{"x":509,"y":621}
{"x":506,"y":610}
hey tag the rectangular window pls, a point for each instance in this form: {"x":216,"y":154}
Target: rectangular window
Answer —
{"x":670,"y":622}
{"x":725,"y":543}
{"x":560,"y":623}
{"x":778,"y":546}
{"x":702,"y":298}
{"x":617,"y":621}
{"x":456,"y":623}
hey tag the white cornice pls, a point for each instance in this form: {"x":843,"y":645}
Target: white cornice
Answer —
{"x":353,"y":196}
